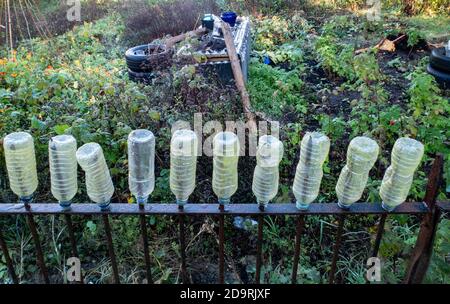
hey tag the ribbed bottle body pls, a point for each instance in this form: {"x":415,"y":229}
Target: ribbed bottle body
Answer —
{"x":266,"y":174}
{"x":183,"y":164}
{"x":99,"y":185}
{"x":405,"y":158}
{"x":141,"y":164}
{"x":63,"y":167}
{"x":314,"y":149}
{"x":362,"y":154}
{"x":21,"y":163}
{"x":225,"y":162}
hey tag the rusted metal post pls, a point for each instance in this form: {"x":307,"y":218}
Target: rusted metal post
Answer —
{"x":112,"y":254}
{"x":259,"y":249}
{"x":148,"y":264}
{"x":184,"y":275}
{"x":9,"y":263}
{"x":37,"y":245}
{"x":221,"y":245}
{"x":421,"y":255}
{"x":73,"y":242}
{"x":380,"y":231}
{"x":336,"y":248}
{"x":298,"y":238}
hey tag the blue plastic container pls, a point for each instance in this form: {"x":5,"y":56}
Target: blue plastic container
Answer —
{"x":229,"y":17}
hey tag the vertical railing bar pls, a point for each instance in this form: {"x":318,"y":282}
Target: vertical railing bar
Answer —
{"x":380,"y":231}
{"x":37,"y":245}
{"x":112,"y":254}
{"x":73,"y":242}
{"x":298,"y":239}
{"x":423,"y":249}
{"x":9,"y":263}
{"x":184,"y":275}
{"x":148,"y":264}
{"x":259,"y":249}
{"x":337,"y":246}
{"x":221,"y":246}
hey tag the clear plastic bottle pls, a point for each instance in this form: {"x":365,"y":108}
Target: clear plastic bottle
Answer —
{"x":141,"y":164}
{"x":362,"y":154}
{"x":225,"y":161}
{"x":63,"y":168}
{"x":99,"y":185}
{"x":183,"y":164}
{"x":405,"y":158}
{"x":21,"y":164}
{"x":314,"y":150}
{"x":266,"y":174}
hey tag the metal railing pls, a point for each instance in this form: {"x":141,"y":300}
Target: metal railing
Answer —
{"x":418,"y":264}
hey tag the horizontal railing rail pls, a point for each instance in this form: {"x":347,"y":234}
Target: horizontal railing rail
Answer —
{"x":211,"y":209}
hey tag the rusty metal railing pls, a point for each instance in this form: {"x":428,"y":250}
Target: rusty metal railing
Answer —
{"x":429,"y":209}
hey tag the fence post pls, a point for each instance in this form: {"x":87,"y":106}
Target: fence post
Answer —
{"x":420,"y":257}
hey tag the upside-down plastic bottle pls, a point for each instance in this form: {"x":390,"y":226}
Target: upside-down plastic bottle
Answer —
{"x":99,"y":185}
{"x":362,"y":154}
{"x":314,"y":150}
{"x":225,"y":161}
{"x":266,"y":174}
{"x":183,"y":164}
{"x":21,"y":164}
{"x":63,"y":168}
{"x":405,"y":158}
{"x":141,"y":164}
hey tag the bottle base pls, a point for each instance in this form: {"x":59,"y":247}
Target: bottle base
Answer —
{"x":224,"y":201}
{"x":181,"y":203}
{"x":65,"y":205}
{"x":141,"y":201}
{"x":26,"y":200}
{"x":105,"y":206}
{"x":301,"y":206}
{"x":262,"y":205}
{"x":387,"y":208}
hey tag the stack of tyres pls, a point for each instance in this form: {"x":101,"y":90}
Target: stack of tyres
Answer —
{"x":142,"y":59}
{"x":439,"y":67}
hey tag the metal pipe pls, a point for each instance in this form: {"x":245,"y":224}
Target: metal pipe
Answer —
{"x":9,"y":263}
{"x":298,"y":239}
{"x":112,"y":254}
{"x":337,"y":246}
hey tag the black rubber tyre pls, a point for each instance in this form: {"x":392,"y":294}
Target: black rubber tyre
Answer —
{"x":439,"y":61}
{"x":140,"y":58}
{"x":441,"y":77}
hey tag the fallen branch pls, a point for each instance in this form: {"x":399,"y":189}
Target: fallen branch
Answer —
{"x":238,"y":76}
{"x":171,"y":41}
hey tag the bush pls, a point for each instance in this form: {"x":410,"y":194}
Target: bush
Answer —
{"x":145,"y":22}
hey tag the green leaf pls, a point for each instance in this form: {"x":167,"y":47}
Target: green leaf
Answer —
{"x":37,"y":124}
{"x":60,"y":129}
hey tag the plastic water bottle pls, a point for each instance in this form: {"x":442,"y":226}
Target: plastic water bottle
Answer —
{"x":314,"y":150}
{"x":225,"y":161}
{"x":63,"y":168}
{"x":183,"y":164}
{"x":99,"y":185}
{"x":141,"y":164}
{"x":266,"y":174}
{"x":405,"y":158}
{"x":362,"y":154}
{"x":447,"y":49}
{"x":21,"y":164}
